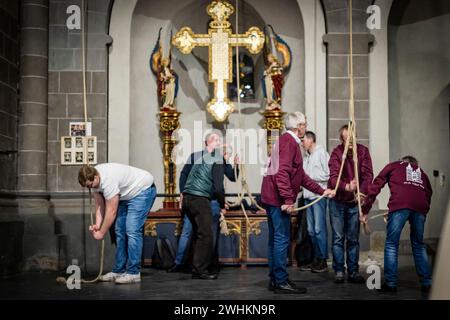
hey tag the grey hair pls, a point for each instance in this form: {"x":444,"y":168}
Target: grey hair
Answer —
{"x":293,"y":120}
{"x":211,"y":132}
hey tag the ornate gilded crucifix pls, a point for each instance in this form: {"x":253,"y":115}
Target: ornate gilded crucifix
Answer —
{"x":220,"y":41}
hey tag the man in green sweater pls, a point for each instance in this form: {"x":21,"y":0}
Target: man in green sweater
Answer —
{"x":205,"y":182}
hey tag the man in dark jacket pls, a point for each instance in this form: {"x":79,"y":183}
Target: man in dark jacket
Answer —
{"x":280,"y":187}
{"x":205,"y":182}
{"x":409,"y":201}
{"x":184,"y":241}
{"x":344,"y":211}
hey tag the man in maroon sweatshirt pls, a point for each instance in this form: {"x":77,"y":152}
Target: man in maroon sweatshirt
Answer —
{"x":409,"y":201}
{"x":280,"y":187}
{"x":344,"y":211}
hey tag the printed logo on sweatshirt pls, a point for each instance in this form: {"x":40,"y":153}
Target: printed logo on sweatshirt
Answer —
{"x":414,"y":177}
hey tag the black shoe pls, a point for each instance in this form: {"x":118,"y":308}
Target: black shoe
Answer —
{"x":387,"y":289}
{"x":204,"y":276}
{"x":175,"y":268}
{"x":272,"y":285}
{"x":355,"y":277}
{"x":425,"y":289}
{"x":287,"y":288}
{"x":320,"y":267}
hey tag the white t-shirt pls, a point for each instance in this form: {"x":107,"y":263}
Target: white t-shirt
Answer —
{"x":121,"y":179}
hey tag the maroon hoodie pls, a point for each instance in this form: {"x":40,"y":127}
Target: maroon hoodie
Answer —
{"x":409,"y":185}
{"x":285,"y":175}
{"x":364,"y":169}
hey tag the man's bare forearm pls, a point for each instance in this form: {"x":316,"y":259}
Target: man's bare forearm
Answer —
{"x":110,"y":213}
{"x":99,"y":209}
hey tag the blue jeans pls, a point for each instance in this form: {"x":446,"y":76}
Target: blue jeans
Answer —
{"x":316,"y":216}
{"x":345,"y":225}
{"x":131,"y":216}
{"x":395,"y":224}
{"x":279,"y":224}
{"x":186,"y":233}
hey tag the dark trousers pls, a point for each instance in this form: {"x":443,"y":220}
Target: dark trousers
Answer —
{"x":198,"y":210}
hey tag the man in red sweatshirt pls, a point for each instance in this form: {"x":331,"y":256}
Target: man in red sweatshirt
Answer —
{"x":344,"y":211}
{"x":410,"y":201}
{"x":280,"y":187}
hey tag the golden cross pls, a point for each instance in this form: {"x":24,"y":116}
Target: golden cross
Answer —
{"x":220,"y":41}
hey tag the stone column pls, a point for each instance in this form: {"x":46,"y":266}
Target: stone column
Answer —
{"x":33,"y":99}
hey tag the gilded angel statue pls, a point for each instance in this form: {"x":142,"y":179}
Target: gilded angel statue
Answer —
{"x":166,"y":77}
{"x":274,"y":73}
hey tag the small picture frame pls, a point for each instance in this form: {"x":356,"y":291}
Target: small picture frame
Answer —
{"x":68,"y":157}
{"x":78,"y":150}
{"x":80,"y":129}
{"x":67,"y":143}
{"x":91,"y":142}
{"x":79,"y":142}
{"x":79,"y":157}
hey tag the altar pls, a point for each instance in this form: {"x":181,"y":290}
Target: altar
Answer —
{"x":246,"y":244}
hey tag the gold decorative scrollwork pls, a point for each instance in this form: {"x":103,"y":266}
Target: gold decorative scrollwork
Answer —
{"x":255,"y":228}
{"x":167,"y":124}
{"x":234,"y":227}
{"x":150,"y":229}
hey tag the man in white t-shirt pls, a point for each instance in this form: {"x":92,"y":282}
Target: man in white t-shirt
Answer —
{"x":125,"y":194}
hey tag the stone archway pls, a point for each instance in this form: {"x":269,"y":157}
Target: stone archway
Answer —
{"x":119,"y":57}
{"x":313,"y":58}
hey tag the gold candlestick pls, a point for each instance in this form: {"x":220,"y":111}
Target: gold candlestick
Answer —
{"x":273,"y":125}
{"x":169,"y":122}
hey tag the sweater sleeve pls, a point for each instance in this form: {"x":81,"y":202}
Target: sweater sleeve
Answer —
{"x":366,"y":171}
{"x":374,"y":189}
{"x":184,"y":174}
{"x":229,"y":172}
{"x":335,"y":165}
{"x":428,"y":188}
{"x":282,"y":178}
{"x":219,"y":190}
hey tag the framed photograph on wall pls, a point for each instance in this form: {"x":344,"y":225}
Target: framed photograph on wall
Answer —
{"x":80,"y":129}
{"x":78,"y":150}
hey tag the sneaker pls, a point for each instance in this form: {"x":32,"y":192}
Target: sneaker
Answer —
{"x":287,"y":288}
{"x":110,"y":277}
{"x":305,"y":267}
{"x":355,"y":277}
{"x":340,"y":277}
{"x":320,"y":266}
{"x":129,"y":278}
